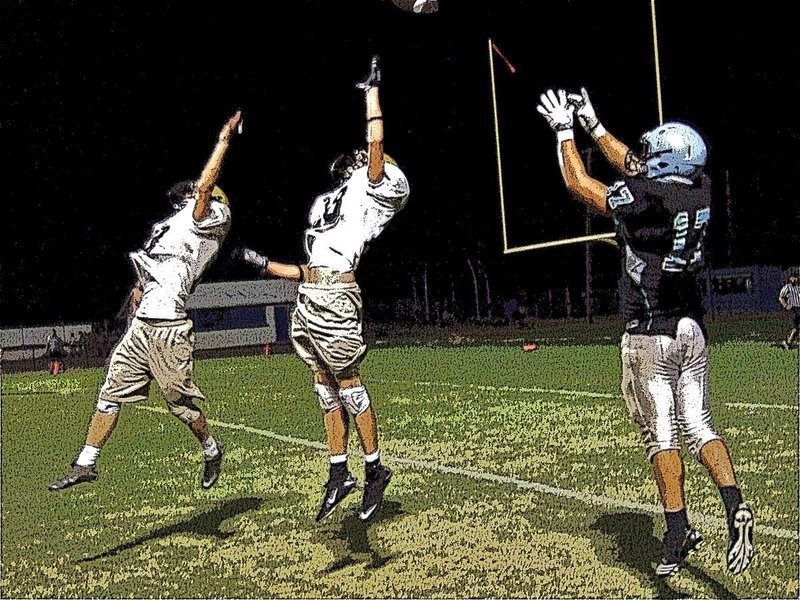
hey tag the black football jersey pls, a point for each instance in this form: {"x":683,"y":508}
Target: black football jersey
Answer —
{"x":660,"y":229}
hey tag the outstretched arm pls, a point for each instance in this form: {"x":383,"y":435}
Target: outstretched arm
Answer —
{"x":559,"y":113}
{"x":370,"y":85}
{"x":617,"y":154}
{"x":587,"y":189}
{"x":267,"y":267}
{"x":211,"y":171}
{"x":298,"y":272}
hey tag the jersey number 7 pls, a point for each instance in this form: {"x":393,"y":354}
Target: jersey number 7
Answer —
{"x":680,"y":260}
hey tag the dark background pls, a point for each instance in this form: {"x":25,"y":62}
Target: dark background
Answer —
{"x":104,"y":106}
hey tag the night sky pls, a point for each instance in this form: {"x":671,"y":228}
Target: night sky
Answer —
{"x":104,"y":105}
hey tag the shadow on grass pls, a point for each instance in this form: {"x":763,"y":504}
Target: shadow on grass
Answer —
{"x":628,"y":541}
{"x":353,"y":533}
{"x":206,"y":523}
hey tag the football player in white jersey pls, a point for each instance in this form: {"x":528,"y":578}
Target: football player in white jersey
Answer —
{"x":327,"y":322}
{"x":159,"y":342}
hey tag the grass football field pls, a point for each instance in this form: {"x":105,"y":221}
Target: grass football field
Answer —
{"x":516,"y":475}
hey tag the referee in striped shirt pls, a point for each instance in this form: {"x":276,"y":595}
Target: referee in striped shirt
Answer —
{"x":790,"y":300}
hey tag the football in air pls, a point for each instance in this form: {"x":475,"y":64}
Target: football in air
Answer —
{"x":421,"y":7}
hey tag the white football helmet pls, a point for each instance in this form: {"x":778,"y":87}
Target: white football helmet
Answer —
{"x":673,"y":149}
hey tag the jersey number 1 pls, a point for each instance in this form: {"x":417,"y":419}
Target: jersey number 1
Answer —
{"x":158,"y":233}
{"x":333,"y":206}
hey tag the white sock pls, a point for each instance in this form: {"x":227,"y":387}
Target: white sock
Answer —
{"x":88,"y":456}
{"x":210,"y":449}
{"x":338,"y":458}
{"x":372,"y":457}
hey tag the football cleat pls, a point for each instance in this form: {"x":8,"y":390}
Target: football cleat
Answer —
{"x":373,"y":493}
{"x":676,"y":554}
{"x":76,"y":474}
{"x":212,"y":468}
{"x":336,"y":490}
{"x":740,"y":539}
{"x":374,"y":77}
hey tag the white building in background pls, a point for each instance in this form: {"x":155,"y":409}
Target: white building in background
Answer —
{"x":230,"y":314}
{"x":233,"y":314}
{"x":20,"y":343}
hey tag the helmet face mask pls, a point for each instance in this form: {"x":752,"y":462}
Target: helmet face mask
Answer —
{"x":673,"y":149}
{"x":179,"y":194}
{"x":342,"y":167}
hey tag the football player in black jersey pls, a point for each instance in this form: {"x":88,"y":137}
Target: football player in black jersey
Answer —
{"x":661,"y":209}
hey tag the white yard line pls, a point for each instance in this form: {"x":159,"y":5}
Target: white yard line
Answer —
{"x":586,"y":498}
{"x":558,"y":392}
{"x":480,"y":387}
{"x":491,"y":388}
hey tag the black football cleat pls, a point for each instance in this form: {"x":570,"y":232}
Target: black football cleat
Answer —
{"x":212,"y":468}
{"x":675,"y":554}
{"x":374,"y":77}
{"x":373,"y":493}
{"x":76,"y":474}
{"x":336,"y":490}
{"x":740,"y":539}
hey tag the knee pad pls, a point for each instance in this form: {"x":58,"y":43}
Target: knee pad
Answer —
{"x":106,"y":407}
{"x":328,"y":398}
{"x":184,"y":410}
{"x":355,"y":399}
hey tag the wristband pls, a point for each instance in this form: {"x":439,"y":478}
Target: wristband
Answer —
{"x":598,"y":131}
{"x":565,"y":134}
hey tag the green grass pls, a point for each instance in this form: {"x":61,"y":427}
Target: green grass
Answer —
{"x":146,"y":529}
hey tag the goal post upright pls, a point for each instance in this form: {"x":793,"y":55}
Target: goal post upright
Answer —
{"x":497,"y":147}
{"x":603,"y":237}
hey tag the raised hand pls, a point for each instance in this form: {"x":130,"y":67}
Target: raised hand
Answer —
{"x":584,"y":110}
{"x":557,"y":110}
{"x":373,"y":78}
{"x":233,"y":123}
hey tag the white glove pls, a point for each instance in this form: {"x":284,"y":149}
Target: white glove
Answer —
{"x":558,"y":112}
{"x":586,"y":114}
{"x":254,"y":258}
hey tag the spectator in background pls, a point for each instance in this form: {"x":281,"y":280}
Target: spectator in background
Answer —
{"x":789,"y":297}
{"x":510,"y":310}
{"x":568,"y":303}
{"x":55,"y":352}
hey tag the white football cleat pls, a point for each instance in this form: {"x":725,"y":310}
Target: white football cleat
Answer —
{"x":740,"y":539}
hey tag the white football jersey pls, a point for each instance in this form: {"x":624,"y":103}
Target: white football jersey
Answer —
{"x":174,"y":258}
{"x":344,"y":220}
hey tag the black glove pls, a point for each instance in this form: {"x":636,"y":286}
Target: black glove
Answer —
{"x":374,"y":77}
